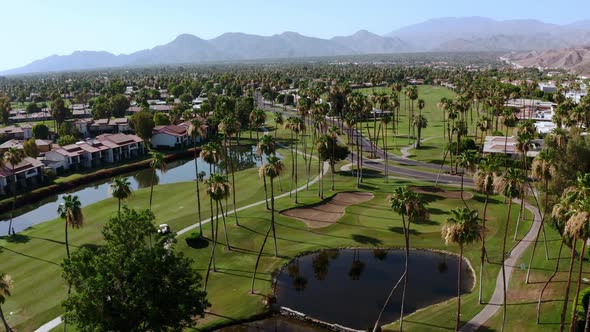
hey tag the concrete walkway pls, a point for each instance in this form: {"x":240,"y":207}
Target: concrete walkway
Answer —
{"x":57,"y":321}
{"x":497,"y":299}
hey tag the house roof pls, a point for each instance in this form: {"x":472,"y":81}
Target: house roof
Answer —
{"x":11,"y":144}
{"x":11,"y":130}
{"x":26,"y":164}
{"x":117,"y":140}
{"x":173,"y":130}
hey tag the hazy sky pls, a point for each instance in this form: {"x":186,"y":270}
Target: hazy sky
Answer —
{"x":33,"y":29}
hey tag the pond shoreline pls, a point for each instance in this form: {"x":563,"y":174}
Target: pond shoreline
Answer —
{"x":272,"y":308}
{"x":38,"y":194}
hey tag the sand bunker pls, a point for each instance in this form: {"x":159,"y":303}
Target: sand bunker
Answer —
{"x":455,"y":194}
{"x":328,"y":212}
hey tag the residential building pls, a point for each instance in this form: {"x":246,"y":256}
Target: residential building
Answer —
{"x":42,"y":145}
{"x":170,"y":136}
{"x":507,"y":145}
{"x":23,"y":132}
{"x":28,"y":172}
{"x":105,"y":148}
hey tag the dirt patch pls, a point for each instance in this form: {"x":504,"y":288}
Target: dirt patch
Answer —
{"x":454,"y":194}
{"x":328,"y":212}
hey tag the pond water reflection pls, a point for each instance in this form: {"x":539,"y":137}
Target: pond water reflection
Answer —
{"x":349,"y":286}
{"x":178,"y":171}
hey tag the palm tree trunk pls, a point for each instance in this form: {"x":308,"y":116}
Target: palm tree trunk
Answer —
{"x":233,"y":185}
{"x":549,"y":281}
{"x":152,"y":188}
{"x":119,"y":209}
{"x":258,"y":260}
{"x":483,"y":249}
{"x":462,"y":188}
{"x":567,"y":287}
{"x":505,"y":308}
{"x":292,"y":164}
{"x":197,"y":180}
{"x":214,"y":244}
{"x":407,"y":241}
{"x":66,"y":238}
{"x":6,"y":326}
{"x":224,"y":225}
{"x":265,"y":189}
{"x":581,"y":263}
{"x":272,"y":216}
{"x":13,"y":203}
{"x":385,"y":153}
{"x":295,"y":168}
{"x":528,"y":272}
{"x":458,"y":322}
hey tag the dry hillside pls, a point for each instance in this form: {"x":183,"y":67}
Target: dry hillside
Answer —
{"x":576,"y":59}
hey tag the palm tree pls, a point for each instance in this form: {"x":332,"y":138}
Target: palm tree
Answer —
{"x":385,"y":120}
{"x":279,"y":121}
{"x":577,"y":227}
{"x":484,"y":183}
{"x":231,"y":127}
{"x":5,"y":286}
{"x":267,"y":145}
{"x":297,"y":127}
{"x":13,"y":156}
{"x":466,"y":161}
{"x":158,"y":163}
{"x":218,"y":189}
{"x":543,"y":169}
{"x":120,"y":188}
{"x":211,"y":154}
{"x":71,"y":212}
{"x":509,"y":185}
{"x":196,"y":131}
{"x":461,"y":228}
{"x":407,"y":204}
{"x":257,"y":119}
{"x":419,"y":122}
{"x":272,"y":169}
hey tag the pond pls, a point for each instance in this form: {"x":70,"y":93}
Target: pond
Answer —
{"x":178,"y":171}
{"x":349,"y":286}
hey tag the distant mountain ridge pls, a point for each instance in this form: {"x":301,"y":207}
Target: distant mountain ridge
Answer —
{"x":450,"y":34}
{"x":576,"y":60}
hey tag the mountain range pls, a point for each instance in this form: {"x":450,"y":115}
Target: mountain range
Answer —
{"x":575,"y":59}
{"x":463,"y":34}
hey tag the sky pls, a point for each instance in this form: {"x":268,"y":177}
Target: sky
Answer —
{"x":34,"y":29}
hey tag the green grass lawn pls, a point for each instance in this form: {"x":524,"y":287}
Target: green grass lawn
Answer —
{"x":33,"y":257}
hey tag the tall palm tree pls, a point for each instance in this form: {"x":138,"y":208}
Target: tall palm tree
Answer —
{"x":467,"y":161}
{"x":158,"y":162}
{"x":272,"y":169}
{"x":385,"y":120}
{"x":218,"y":189}
{"x":461,"y":228}
{"x":120,"y":188}
{"x":297,"y":126}
{"x":420,"y":122}
{"x":196,"y":131}
{"x":279,"y":121}
{"x":578,"y":227}
{"x":257,"y":119}
{"x":543,"y":169}
{"x":267,"y":145}
{"x":509,"y":185}
{"x":71,"y":212}
{"x":13,"y":156}
{"x":5,"y":286}
{"x":231,"y":127}
{"x":484,"y":183}
{"x":333,"y":133}
{"x":407,"y":204}
{"x":211,"y":154}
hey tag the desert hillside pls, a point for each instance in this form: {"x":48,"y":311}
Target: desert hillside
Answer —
{"x":576,"y":59}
